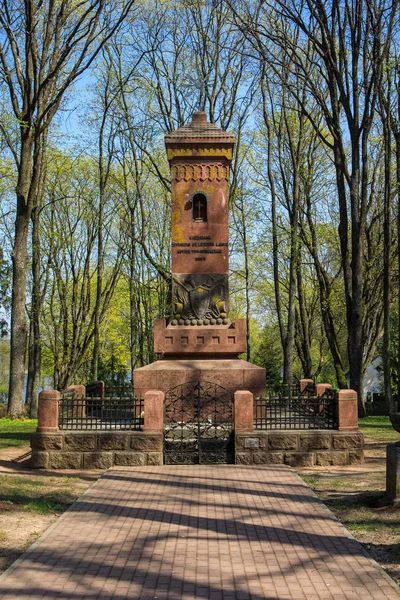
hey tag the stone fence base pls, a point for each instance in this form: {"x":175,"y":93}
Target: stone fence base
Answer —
{"x":95,"y":449}
{"x":104,"y":449}
{"x":299,"y":448}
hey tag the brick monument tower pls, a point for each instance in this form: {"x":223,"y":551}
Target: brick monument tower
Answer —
{"x":200,"y":343}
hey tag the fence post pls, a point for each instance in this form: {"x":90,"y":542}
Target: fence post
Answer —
{"x":48,"y":411}
{"x":243,"y":411}
{"x":79,"y":394}
{"x":320,"y":388}
{"x":347,"y":410}
{"x":95,"y":388}
{"x":319,"y":391}
{"x":154,"y":411}
{"x":304,"y":383}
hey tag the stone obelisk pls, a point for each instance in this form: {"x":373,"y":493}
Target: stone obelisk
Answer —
{"x":200,"y":342}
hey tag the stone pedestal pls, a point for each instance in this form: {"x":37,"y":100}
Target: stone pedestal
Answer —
{"x":226,"y":341}
{"x":393,"y":473}
{"x":233,"y":374}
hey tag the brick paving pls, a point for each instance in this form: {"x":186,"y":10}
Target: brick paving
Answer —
{"x":221,"y":533}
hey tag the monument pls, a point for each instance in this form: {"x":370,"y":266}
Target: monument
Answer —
{"x":199,"y":342}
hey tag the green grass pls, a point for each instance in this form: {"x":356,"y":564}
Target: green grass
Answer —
{"x":379,"y":428}
{"x":40,"y":495}
{"x":47,"y":505}
{"x":311,"y":480}
{"x":16,"y":432}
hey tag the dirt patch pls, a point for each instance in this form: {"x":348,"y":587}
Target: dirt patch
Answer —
{"x":18,"y":530}
{"x":31,"y":500}
{"x":356,"y":495}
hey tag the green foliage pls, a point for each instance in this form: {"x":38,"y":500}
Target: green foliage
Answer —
{"x":269,"y":354}
{"x":112,"y":371}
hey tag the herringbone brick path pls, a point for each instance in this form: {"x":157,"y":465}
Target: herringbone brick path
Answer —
{"x":219,"y":533}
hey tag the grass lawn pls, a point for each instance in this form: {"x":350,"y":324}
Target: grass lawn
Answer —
{"x":16,"y":432}
{"x":379,"y":428}
{"x":40,"y":495}
{"x":356,"y":495}
{"x":30,"y":501}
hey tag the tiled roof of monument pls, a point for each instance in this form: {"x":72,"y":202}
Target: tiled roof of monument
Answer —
{"x":199,"y":129}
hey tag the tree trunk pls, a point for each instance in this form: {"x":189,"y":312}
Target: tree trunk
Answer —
{"x":35,"y":344}
{"x":303,"y":326}
{"x":389,"y":406}
{"x":397,"y":138}
{"x":132,"y":298}
{"x":294,"y":249}
{"x":19,"y":330}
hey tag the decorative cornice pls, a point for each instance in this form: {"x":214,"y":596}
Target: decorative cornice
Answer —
{"x":197,"y":151}
{"x":199,"y":172}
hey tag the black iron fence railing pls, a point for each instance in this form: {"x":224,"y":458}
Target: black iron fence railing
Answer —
{"x":106,"y":414}
{"x":286,"y":408}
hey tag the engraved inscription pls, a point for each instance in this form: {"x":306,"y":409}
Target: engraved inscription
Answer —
{"x":199,"y":247}
{"x":251,"y":443}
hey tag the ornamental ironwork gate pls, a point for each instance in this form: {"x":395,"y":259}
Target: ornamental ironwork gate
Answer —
{"x":198,"y":425}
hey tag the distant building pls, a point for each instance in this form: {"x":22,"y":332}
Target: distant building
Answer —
{"x":373,"y":383}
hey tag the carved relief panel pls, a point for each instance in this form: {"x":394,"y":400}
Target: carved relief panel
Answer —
{"x":200,"y":299}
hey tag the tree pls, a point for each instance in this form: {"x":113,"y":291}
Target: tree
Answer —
{"x":347,"y":43}
{"x":44,"y":48}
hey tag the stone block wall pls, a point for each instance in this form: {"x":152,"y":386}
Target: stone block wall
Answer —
{"x":299,"y":448}
{"x":95,"y":449}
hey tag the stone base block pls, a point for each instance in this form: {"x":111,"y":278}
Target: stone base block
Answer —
{"x":39,"y":460}
{"x":130,"y":459}
{"x":97,"y":460}
{"x":299,"y":448}
{"x":46,"y":441}
{"x":233,"y":374}
{"x":65,"y":460}
{"x":393,"y":473}
{"x":95,"y":449}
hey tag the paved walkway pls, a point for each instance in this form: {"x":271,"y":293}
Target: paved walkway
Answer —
{"x":219,"y":533}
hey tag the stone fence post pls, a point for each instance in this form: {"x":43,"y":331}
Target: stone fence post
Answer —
{"x":48,"y":411}
{"x":304,"y":383}
{"x":154,"y":411}
{"x":243,"y":411}
{"x":320,"y":388}
{"x":347,"y":410}
{"x":95,"y":388}
{"x":79,"y":391}
{"x":79,"y":394}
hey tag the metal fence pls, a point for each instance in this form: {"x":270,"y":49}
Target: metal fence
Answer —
{"x":105,"y":414}
{"x":285,"y":408}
